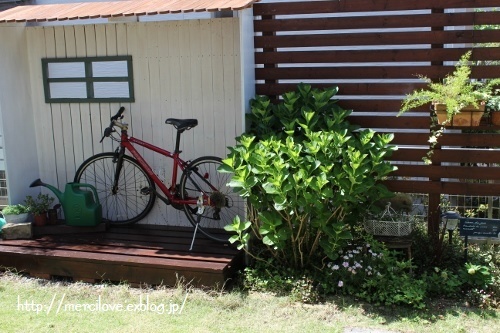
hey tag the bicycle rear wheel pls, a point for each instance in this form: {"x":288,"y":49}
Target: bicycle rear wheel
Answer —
{"x":125,"y":205}
{"x":202,"y":175}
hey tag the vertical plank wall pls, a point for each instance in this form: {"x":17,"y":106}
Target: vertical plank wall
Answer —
{"x":182,"y":69}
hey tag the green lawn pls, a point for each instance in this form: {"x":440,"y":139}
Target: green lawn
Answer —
{"x":33,"y":305}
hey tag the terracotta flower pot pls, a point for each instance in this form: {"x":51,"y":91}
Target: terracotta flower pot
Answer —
{"x":40,"y":220}
{"x":495,"y":118}
{"x":468,"y":116}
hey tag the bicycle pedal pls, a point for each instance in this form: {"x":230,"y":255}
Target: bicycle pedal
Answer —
{"x":146,"y":190}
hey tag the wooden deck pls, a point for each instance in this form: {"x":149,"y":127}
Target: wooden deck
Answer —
{"x":135,"y":254}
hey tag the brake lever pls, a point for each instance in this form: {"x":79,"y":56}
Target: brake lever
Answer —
{"x":107,"y":133}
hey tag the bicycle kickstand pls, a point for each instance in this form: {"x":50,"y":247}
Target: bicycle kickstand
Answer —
{"x":200,"y":211}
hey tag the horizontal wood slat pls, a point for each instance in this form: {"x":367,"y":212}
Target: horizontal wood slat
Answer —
{"x":344,"y":88}
{"x":396,"y":123}
{"x":448,"y":139}
{"x":340,"y":6}
{"x":456,"y":188}
{"x":377,"y":38}
{"x":459,"y":172}
{"x":448,"y":155}
{"x":368,"y":72}
{"x":373,"y":56}
{"x":377,"y":22}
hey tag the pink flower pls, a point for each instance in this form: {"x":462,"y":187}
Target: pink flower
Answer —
{"x":345,"y":264}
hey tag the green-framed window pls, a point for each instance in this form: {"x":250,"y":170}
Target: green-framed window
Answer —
{"x":88,"y":80}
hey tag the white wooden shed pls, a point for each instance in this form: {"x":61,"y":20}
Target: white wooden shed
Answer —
{"x":198,"y":68}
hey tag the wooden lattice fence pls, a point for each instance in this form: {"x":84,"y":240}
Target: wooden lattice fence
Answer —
{"x":373,"y":50}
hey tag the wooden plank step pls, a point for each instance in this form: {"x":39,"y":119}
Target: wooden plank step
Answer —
{"x":138,"y":255}
{"x":143,"y":241}
{"x":153,"y":245}
{"x":165,"y":230}
{"x":99,"y":268}
{"x":173,"y":238}
{"x":204,"y":244}
{"x":124,"y":250}
{"x":110,"y":257}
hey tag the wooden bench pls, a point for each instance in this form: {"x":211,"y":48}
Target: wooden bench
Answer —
{"x":397,"y":243}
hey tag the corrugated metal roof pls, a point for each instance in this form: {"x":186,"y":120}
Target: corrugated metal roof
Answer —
{"x":90,"y":10}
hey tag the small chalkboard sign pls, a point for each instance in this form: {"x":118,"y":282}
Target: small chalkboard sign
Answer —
{"x":476,"y":227}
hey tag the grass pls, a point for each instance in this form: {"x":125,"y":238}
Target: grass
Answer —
{"x":26,"y":307}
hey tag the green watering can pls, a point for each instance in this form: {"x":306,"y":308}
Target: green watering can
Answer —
{"x":81,"y":206}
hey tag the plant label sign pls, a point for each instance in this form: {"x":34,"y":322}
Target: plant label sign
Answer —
{"x":477,"y":227}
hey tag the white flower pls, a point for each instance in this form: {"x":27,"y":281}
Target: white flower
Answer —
{"x":335,"y":267}
{"x":341,"y":284}
{"x":432,"y":139}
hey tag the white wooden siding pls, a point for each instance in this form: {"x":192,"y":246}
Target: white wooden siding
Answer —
{"x":18,"y":125}
{"x":182,"y":69}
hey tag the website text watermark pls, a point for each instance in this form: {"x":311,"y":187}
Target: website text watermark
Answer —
{"x":59,"y":304}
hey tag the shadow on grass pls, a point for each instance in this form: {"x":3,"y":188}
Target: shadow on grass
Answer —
{"x":436,"y":310}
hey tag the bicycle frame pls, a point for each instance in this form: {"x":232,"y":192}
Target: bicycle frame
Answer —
{"x":178,"y":163}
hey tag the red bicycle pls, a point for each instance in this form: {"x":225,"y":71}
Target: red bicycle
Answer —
{"x":127,"y":186}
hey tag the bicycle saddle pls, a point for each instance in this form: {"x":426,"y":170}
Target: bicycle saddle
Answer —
{"x":182,"y":124}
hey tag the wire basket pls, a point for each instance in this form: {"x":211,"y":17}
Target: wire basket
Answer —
{"x":389,"y":223}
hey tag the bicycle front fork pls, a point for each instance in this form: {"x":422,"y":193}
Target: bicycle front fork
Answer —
{"x":118,"y":159}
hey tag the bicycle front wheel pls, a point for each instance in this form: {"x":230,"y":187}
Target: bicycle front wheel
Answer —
{"x":202,"y":176}
{"x":125,"y":204}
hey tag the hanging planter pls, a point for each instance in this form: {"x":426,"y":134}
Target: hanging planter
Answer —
{"x":468,"y":116}
{"x":389,"y":223}
{"x":454,"y":91}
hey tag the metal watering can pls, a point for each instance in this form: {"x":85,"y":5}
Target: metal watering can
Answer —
{"x":81,"y":207}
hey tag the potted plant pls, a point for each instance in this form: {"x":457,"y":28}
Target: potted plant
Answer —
{"x":457,"y":100}
{"x":15,"y":213}
{"x":493,"y":108}
{"x":38,"y":207}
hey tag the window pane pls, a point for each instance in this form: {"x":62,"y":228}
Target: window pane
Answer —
{"x":111,"y":89}
{"x":68,"y":90}
{"x":109,"y":69}
{"x":66,"y":69}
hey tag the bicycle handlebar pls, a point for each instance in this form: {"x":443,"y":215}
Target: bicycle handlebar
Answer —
{"x":118,"y":115}
{"x":114,"y":122}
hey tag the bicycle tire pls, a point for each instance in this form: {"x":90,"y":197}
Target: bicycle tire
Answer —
{"x":199,"y":172}
{"x":128,"y":205}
